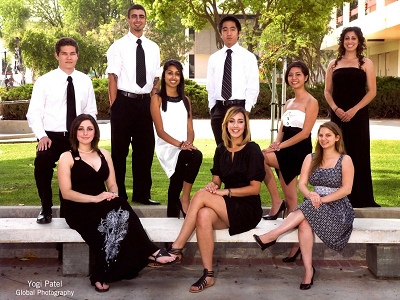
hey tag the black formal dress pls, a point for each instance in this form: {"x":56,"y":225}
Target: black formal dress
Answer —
{"x":111,"y":228}
{"x":349,"y":89}
{"x":244,"y":213}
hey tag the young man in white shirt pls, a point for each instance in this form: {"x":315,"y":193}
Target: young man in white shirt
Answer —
{"x":242,"y":85}
{"x":47,"y":116}
{"x":133,"y":67}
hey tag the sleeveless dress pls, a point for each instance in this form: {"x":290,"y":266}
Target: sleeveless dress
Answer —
{"x":349,"y":89}
{"x":244,"y":213}
{"x":332,"y":222}
{"x":111,"y":229}
{"x":291,"y":159}
{"x":175,"y":124}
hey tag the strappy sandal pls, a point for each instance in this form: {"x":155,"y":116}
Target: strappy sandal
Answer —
{"x":177,"y":252}
{"x":202,"y":283}
{"x":155,"y":264}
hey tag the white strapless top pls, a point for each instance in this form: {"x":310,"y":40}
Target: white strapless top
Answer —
{"x":293,"y":118}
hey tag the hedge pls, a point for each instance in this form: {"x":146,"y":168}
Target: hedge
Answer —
{"x":385,"y":105}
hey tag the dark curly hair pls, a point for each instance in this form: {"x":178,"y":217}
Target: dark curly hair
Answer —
{"x":361,"y":47}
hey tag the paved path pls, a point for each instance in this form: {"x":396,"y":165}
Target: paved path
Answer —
{"x":260,"y":129}
{"x":333,"y":280}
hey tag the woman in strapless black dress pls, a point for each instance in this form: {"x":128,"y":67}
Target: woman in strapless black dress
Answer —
{"x":345,"y":92}
{"x":106,"y":222}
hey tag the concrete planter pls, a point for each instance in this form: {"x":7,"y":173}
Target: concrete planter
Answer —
{"x":14,"y":127}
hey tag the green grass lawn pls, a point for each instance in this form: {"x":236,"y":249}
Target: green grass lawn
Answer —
{"x":17,"y":184}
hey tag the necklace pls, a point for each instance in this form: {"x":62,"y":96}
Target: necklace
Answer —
{"x":85,"y":151}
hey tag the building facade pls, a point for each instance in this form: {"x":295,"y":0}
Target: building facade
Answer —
{"x":379,"y":21}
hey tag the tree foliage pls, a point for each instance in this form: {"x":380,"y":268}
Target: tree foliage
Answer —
{"x":173,"y":42}
{"x":94,"y":24}
{"x":271,"y":29}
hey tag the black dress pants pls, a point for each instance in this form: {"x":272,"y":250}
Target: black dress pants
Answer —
{"x":217,"y":117}
{"x":131,"y":124}
{"x":187,"y":168}
{"x":44,"y":164}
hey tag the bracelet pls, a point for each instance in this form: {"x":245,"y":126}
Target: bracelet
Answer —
{"x":336,"y":109}
{"x":180,"y":145}
{"x":229,"y":193}
{"x":115,"y":193}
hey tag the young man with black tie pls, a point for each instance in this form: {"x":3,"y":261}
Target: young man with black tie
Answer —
{"x":232,"y":76}
{"x":57,"y":98}
{"x":133,"y":77}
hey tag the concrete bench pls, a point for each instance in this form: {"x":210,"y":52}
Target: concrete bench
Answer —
{"x":382,"y":237}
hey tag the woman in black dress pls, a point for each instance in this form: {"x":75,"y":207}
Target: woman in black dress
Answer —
{"x":345,"y":93}
{"x":326,"y":210}
{"x":239,"y":164}
{"x":106,"y":222}
{"x":293,"y":143}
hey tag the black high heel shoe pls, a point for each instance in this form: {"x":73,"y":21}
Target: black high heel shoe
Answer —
{"x":307,"y":286}
{"x":261,"y":244}
{"x":292,"y":258}
{"x":181,"y":209}
{"x":281,"y":209}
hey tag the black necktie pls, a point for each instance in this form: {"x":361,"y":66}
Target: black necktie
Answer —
{"x":140,"y":65}
{"x":71,"y":107}
{"x":227,"y":78}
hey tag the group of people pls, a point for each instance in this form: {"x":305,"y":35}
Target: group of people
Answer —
{"x":62,"y":114}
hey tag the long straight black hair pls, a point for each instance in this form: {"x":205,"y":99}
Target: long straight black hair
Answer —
{"x":181,"y":86}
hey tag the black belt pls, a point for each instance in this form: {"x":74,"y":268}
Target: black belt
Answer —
{"x":63,"y":133}
{"x":133,"y":95}
{"x":230,"y":102}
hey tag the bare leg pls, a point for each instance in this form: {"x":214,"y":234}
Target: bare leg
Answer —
{"x":185,"y":197}
{"x":269,"y":180}
{"x":290,"y":192}
{"x":294,"y":219}
{"x":207,"y":221}
{"x":201,"y":199}
{"x":306,"y":239}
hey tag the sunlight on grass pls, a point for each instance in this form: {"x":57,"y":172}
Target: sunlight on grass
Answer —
{"x":17,"y":184}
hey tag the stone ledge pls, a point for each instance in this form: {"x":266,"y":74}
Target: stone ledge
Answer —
{"x":26,"y":230}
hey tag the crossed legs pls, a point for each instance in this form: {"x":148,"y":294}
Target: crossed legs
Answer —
{"x":206,"y":213}
{"x":306,"y":239}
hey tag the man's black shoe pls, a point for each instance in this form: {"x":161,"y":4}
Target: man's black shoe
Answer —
{"x":44,"y":218}
{"x":150,"y":202}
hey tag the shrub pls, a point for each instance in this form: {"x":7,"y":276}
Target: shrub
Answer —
{"x":16,"y":111}
{"x":385,"y":105}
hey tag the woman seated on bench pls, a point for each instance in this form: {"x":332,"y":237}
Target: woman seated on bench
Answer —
{"x":326,"y":210}
{"x":239,"y":164}
{"x":106,"y":222}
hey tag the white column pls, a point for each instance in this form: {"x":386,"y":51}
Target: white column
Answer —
{"x":346,"y":14}
{"x":361,"y":11}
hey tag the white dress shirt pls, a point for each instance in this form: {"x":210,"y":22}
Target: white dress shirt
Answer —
{"x":121,"y":61}
{"x":245,"y":77}
{"x":48,"y":106}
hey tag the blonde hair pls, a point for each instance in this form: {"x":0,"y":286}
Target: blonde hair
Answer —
{"x":226,"y":137}
{"x":339,"y":145}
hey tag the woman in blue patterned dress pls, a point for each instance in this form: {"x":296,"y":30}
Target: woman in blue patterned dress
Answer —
{"x":326,"y":210}
{"x":105,"y":221}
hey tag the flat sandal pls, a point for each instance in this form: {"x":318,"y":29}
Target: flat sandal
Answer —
{"x":155,"y":264}
{"x":202,"y":283}
{"x":176,"y":251}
